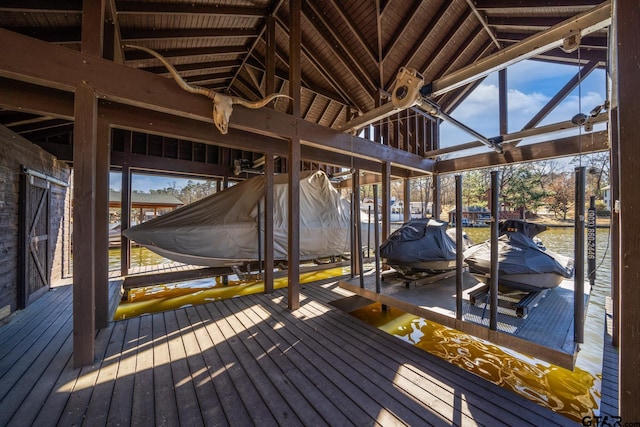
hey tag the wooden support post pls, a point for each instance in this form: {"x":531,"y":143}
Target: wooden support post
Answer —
{"x":295,"y":40}
{"x":407,"y":199}
{"x":356,"y":246}
{"x":386,"y":199}
{"x":125,"y":215}
{"x":459,"y":247}
{"x":103,"y":151}
{"x":578,"y":281}
{"x":84,"y":239}
{"x":502,"y":102}
{"x":270,"y":83}
{"x":626,"y":18}
{"x":268,"y":222}
{"x":376,"y":233}
{"x":493,"y":281}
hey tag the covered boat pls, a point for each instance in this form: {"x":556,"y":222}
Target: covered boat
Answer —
{"x":222,"y":229}
{"x":523,"y":263}
{"x":420,"y":246}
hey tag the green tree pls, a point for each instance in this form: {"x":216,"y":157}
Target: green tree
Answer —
{"x":523,"y":188}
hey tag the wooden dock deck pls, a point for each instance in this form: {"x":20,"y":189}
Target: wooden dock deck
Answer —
{"x":546,"y":332}
{"x":242,"y":361}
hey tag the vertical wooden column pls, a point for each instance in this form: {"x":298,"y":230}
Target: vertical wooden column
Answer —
{"x":407,"y":199}
{"x":84,"y":239}
{"x":103,"y":152}
{"x":268,"y":222}
{"x":578,"y":281}
{"x":436,"y":207}
{"x":386,"y":199}
{"x":295,"y":40}
{"x":356,"y":244}
{"x":493,"y":281}
{"x":502,"y":101}
{"x":125,"y":214}
{"x":270,"y":84}
{"x":627,"y":16}
{"x":459,"y":247}
{"x":84,"y":193}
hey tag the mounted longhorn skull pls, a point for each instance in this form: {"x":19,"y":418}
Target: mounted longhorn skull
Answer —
{"x":222,"y":104}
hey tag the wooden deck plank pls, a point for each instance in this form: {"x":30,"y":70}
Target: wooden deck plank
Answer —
{"x":364,"y":377}
{"x":444,"y":371}
{"x":231,"y":403}
{"x":19,"y":343}
{"x":186,"y":399}
{"x":283,"y":376}
{"x":279,"y":409}
{"x":163,"y":383}
{"x":98,"y":408}
{"x":24,"y":322}
{"x":78,"y":402}
{"x":206,"y":395}
{"x":364,"y":411}
{"x":257,"y":409}
{"x":142,"y":409}
{"x":249,"y":361}
{"x":122,"y":398}
{"x":306,"y":386}
{"x":16,"y":365}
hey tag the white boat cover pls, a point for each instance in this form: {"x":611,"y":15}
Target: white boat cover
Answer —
{"x":222,"y":229}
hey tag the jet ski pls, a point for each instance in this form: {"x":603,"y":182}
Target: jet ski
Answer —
{"x":420,"y":246}
{"x":523,"y":261}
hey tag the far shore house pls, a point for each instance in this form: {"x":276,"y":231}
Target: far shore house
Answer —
{"x":144,"y":206}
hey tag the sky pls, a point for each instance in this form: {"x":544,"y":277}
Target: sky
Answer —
{"x":530,"y":85}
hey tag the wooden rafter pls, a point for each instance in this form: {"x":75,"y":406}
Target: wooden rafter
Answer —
{"x":424,"y":36}
{"x":400,"y":32}
{"x":157,"y":8}
{"x":324,"y":29}
{"x":353,"y":30}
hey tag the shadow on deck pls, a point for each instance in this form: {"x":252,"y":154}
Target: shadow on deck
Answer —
{"x":241,"y":361}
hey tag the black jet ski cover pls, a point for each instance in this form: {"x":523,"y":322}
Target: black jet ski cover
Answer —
{"x":518,"y":253}
{"x":419,"y":240}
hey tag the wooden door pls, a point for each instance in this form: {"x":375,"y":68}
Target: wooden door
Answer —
{"x":35,"y":229}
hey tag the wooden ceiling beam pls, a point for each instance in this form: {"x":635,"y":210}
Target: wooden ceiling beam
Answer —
{"x":343,"y":55}
{"x":193,"y":66}
{"x":593,"y":41}
{"x":569,"y":146}
{"x":328,"y":76}
{"x":178,"y":34}
{"x":157,"y":8}
{"x":67,"y":69}
{"x":408,"y":60}
{"x":41,"y":6}
{"x":353,"y":30}
{"x":446,"y":39}
{"x":535,"y":22}
{"x":542,"y":4}
{"x":139,"y":55}
{"x":400,"y":32}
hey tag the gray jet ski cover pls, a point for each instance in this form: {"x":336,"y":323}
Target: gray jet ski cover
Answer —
{"x":419,"y":240}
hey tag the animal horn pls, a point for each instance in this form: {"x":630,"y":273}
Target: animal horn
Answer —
{"x":258,"y":104}
{"x":174,"y":73}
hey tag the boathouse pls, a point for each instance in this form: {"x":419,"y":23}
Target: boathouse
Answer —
{"x":364,"y":89}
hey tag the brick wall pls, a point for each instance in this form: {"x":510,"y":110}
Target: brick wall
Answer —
{"x":15,"y":153}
